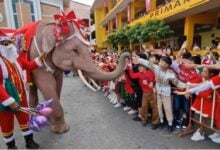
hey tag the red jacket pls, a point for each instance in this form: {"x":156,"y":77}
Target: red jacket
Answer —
{"x":144,"y":79}
{"x":128,"y":87}
{"x":189,"y":75}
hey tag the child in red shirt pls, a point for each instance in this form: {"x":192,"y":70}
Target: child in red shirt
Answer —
{"x":146,"y":80}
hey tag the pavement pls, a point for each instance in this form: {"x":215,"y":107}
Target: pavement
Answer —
{"x":96,"y":124}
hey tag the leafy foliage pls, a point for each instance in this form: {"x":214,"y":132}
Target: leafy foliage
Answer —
{"x":150,"y":31}
{"x":134,"y":33}
{"x":154,"y":30}
{"x":119,"y":37}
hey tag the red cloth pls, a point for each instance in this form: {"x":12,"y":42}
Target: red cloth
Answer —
{"x":29,"y":32}
{"x":16,"y":77}
{"x":127,"y":83}
{"x":7,"y":118}
{"x":112,"y":66}
{"x":207,"y":61}
{"x":216,"y":80}
{"x":7,"y":121}
{"x":217,"y":109}
{"x":207,"y":103}
{"x":27,"y":65}
{"x":106,"y":67}
{"x":3,"y":93}
{"x":105,"y":83}
{"x":144,"y":79}
{"x":189,"y":75}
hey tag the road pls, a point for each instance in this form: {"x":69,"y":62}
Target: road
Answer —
{"x":96,"y":124}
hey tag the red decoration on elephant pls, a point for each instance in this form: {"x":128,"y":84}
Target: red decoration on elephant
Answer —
{"x":62,"y":28}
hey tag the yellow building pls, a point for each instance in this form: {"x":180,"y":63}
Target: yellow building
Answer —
{"x":197,"y":21}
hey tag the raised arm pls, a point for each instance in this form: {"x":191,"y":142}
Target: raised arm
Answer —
{"x":214,"y":66}
{"x":179,"y":54}
{"x":177,"y":82}
{"x":202,"y":87}
{"x":175,"y":67}
{"x":149,"y":65}
{"x":132,"y":74}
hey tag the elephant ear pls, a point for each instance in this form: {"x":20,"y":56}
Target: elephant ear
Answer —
{"x":47,"y":37}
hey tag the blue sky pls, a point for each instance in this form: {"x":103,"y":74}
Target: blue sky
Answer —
{"x":88,"y":2}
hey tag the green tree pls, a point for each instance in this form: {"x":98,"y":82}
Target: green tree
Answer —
{"x":121,"y":35}
{"x":118,"y":37}
{"x":154,"y":30}
{"x":112,"y":39}
{"x":133,"y":33}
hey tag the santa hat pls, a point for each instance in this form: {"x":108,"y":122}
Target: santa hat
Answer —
{"x":5,"y":34}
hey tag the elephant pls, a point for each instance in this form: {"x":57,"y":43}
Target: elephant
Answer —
{"x":70,"y":54}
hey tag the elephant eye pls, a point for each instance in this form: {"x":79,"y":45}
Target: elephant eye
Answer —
{"x":75,"y":50}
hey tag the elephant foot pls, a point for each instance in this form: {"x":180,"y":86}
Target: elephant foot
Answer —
{"x":60,"y":128}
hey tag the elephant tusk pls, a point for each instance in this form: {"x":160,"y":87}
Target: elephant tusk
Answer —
{"x":95,"y":84}
{"x":84,"y":80}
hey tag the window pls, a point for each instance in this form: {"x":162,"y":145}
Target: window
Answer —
{"x":23,"y":12}
{"x":92,"y":20}
{"x":159,"y":3}
{"x":93,"y":35}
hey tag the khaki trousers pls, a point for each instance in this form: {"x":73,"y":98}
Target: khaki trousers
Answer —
{"x":165,"y":102}
{"x":148,"y":100}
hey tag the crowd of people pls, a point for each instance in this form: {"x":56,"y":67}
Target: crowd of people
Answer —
{"x":158,"y":87}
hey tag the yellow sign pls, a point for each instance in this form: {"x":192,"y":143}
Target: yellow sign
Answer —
{"x":170,"y":9}
{"x":175,"y":7}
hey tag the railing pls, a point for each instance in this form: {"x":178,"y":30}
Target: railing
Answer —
{"x":200,"y":121}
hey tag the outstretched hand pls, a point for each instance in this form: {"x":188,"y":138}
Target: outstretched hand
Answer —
{"x":184,"y":45}
{"x":185,"y":93}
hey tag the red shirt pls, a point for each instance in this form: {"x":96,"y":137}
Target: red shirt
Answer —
{"x":128,"y":87}
{"x":144,"y":79}
{"x":189,"y":75}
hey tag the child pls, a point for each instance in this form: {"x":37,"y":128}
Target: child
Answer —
{"x":205,"y":97}
{"x":163,"y":77}
{"x":146,"y":80}
{"x":214,"y":83}
{"x":129,"y":90}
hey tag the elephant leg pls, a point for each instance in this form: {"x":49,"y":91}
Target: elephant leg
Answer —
{"x":33,"y":97}
{"x":47,"y":84}
{"x":59,"y":80}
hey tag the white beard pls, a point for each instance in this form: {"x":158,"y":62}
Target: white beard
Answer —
{"x":9,"y":52}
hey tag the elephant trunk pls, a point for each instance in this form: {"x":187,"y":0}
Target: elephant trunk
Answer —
{"x":99,"y":75}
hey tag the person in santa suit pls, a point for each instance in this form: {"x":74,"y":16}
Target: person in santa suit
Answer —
{"x":213,"y":83}
{"x":13,"y":93}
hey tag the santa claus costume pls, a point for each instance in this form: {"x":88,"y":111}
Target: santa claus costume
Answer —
{"x":12,"y":90}
{"x":203,"y":103}
{"x":214,"y":83}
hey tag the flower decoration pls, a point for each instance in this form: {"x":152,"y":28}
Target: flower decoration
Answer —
{"x":39,"y":115}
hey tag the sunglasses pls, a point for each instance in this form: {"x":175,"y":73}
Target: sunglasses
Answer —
{"x":5,"y":43}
